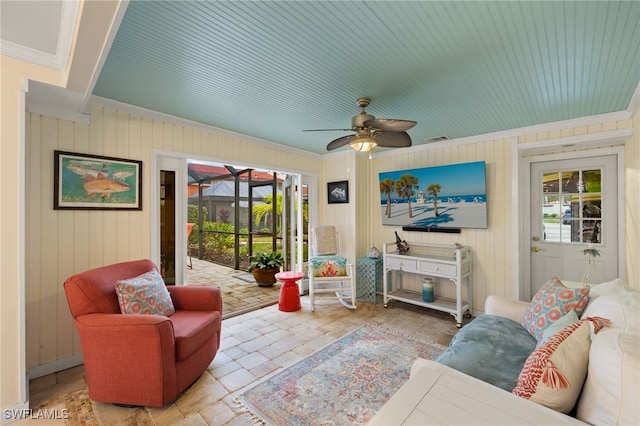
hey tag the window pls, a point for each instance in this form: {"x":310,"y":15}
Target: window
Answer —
{"x":572,"y":206}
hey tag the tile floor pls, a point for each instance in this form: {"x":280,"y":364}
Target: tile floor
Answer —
{"x":238,"y":296}
{"x":254,"y":345}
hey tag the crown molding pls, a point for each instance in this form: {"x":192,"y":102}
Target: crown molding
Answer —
{"x":120,"y":106}
{"x":514,"y":133}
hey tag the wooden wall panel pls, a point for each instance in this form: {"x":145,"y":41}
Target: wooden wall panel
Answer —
{"x":63,"y":242}
{"x":492,"y":263}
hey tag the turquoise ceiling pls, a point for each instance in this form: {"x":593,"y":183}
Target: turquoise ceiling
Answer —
{"x":271,"y":69}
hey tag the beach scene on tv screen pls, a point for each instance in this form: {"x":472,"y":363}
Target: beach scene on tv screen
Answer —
{"x":450,"y":196}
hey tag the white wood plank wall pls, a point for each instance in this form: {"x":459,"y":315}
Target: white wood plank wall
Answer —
{"x":61,"y":243}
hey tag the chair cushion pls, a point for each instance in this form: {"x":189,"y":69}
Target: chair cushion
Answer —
{"x":490,"y":348}
{"x":192,"y":329}
{"x":144,"y":294}
{"x":329,"y":266}
{"x":552,"y":302}
{"x":554,"y":373}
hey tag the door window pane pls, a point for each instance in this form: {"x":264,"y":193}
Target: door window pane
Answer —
{"x":572,"y":206}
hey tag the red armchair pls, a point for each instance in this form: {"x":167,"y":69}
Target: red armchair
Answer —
{"x":145,"y":360}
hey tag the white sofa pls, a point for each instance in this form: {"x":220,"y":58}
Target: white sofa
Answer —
{"x":437,"y":394}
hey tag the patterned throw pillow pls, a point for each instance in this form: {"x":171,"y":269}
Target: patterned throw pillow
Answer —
{"x":144,"y":294}
{"x":554,"y":373}
{"x":552,"y":302}
{"x":329,"y":266}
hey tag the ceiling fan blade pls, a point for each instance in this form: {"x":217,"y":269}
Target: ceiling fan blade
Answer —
{"x":337,"y":143}
{"x":390,"y":125}
{"x":327,"y":130}
{"x":392,"y":139}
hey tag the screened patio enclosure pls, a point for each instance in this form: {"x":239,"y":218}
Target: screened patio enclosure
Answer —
{"x":235,"y":213}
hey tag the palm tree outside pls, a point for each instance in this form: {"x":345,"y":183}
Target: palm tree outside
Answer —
{"x":406,"y":187}
{"x":386,"y":186}
{"x":434,"y":189}
{"x":265,"y":210}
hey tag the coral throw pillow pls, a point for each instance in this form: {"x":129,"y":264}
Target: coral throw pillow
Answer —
{"x":553,"y":301}
{"x":554,"y":373}
{"x":144,"y":294}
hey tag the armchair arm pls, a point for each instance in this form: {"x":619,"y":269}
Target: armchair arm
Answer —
{"x":504,"y":307}
{"x":196,"y":298}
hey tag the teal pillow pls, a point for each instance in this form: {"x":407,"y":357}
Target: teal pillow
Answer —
{"x":556,"y":327}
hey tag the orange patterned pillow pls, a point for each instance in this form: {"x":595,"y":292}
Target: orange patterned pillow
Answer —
{"x":554,"y":373}
{"x":552,"y":302}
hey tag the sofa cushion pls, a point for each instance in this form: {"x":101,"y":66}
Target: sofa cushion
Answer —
{"x":554,"y":373}
{"x":490,"y":348}
{"x":144,"y":294}
{"x":552,"y":302}
{"x":192,"y":329}
{"x":611,"y":391}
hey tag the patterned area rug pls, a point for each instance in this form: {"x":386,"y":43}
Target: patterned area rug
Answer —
{"x":76,"y":404}
{"x":345,"y":383}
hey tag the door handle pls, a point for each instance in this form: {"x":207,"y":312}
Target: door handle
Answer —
{"x":535,"y":249}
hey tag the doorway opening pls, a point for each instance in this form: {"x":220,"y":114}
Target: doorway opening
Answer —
{"x":234,"y":213}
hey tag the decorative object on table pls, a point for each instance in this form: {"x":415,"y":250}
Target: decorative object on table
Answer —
{"x":265,"y":266}
{"x":591,"y":252}
{"x":373,"y":252}
{"x":365,"y":368}
{"x":95,"y":182}
{"x":402,"y":245}
{"x":428,"y":290}
{"x":338,"y":192}
{"x":457,"y":246}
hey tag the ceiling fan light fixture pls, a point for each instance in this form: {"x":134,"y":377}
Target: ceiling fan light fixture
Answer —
{"x":363,"y":144}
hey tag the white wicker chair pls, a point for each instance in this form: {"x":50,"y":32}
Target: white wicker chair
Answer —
{"x":330,"y":276}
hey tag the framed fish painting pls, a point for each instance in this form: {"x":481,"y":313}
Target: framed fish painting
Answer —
{"x":94,"y":182}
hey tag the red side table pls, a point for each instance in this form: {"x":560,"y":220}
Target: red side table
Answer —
{"x":289,"y":292}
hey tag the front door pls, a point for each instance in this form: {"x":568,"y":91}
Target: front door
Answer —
{"x":574,"y":207}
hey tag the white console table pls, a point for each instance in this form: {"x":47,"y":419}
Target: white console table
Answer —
{"x":433,"y":260}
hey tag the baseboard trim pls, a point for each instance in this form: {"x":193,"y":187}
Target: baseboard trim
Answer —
{"x":55,"y":366}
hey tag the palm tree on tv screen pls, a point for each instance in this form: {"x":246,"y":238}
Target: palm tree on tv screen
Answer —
{"x":434,"y":189}
{"x":406,"y":187}
{"x":386,"y":186}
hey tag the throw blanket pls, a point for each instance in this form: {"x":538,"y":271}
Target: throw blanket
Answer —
{"x":490,"y":348}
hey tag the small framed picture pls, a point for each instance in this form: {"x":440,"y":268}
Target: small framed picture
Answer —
{"x":94,"y":182}
{"x":338,"y":192}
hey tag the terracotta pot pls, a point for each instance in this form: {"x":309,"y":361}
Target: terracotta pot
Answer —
{"x":265,"y":277}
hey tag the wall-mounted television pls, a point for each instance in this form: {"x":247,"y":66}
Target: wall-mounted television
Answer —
{"x":439,"y":197}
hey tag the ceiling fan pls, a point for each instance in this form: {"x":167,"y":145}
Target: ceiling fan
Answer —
{"x":371,"y":132}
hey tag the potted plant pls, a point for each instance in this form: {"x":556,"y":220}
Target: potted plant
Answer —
{"x":265,"y":266}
